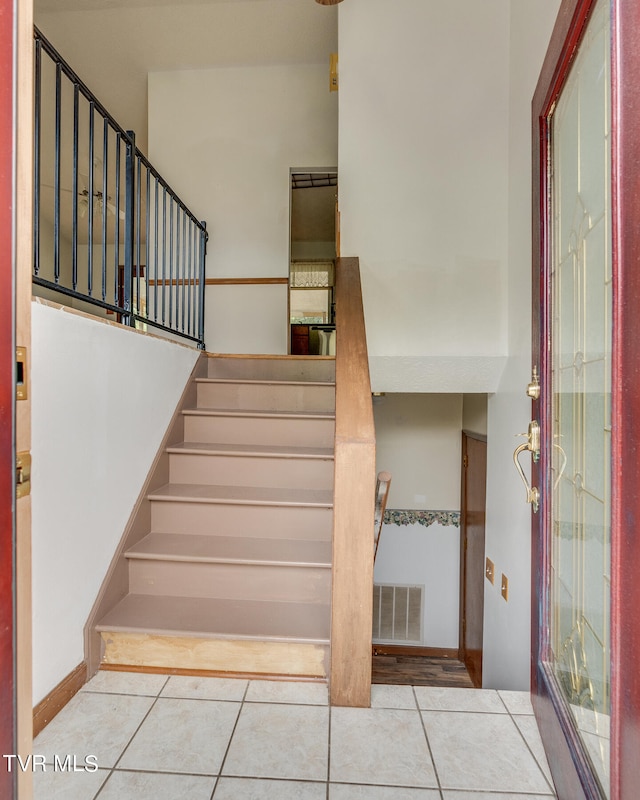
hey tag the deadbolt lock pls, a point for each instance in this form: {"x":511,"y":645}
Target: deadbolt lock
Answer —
{"x":23,"y":474}
{"x":533,"y":388}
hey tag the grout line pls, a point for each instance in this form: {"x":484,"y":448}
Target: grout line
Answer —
{"x":433,"y":761}
{"x":329,"y":747}
{"x":226,"y":752}
{"x":126,"y":747}
{"x":533,"y":755}
{"x":524,"y":739}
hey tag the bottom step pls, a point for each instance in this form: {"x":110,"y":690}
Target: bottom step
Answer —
{"x":217,"y":635}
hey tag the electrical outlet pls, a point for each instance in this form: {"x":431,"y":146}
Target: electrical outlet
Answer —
{"x":489,"y":570}
{"x":504,"y":587}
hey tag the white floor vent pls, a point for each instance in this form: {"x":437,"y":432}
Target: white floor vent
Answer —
{"x":397,"y":614}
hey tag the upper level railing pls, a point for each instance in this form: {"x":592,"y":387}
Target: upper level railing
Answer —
{"x":109,"y":232}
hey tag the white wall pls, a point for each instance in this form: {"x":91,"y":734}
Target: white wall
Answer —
{"x":102,"y":397}
{"x":508,"y":538}
{"x":423,"y":186}
{"x":418,"y":440}
{"x":474,"y":413}
{"x":240,"y":131}
{"x":435,"y":198}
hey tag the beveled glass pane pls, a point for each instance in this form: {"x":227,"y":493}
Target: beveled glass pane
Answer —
{"x":581,"y":392}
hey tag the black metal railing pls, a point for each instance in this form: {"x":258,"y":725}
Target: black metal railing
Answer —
{"x":109,"y":232}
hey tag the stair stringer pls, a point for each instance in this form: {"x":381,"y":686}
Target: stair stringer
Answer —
{"x":116,"y":582}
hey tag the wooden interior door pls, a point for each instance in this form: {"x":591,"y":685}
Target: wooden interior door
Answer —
{"x":472,"y":550}
{"x":586,"y":348}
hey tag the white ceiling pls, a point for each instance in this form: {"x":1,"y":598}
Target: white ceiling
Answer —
{"x":114,"y":44}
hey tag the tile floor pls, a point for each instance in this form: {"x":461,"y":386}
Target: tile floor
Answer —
{"x":155,"y":737}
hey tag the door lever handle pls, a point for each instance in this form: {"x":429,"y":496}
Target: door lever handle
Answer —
{"x":533,"y":445}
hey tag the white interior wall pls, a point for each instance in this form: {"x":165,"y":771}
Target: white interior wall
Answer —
{"x":418,"y":440}
{"x":102,"y":397}
{"x":508,"y":539}
{"x":423,"y":186}
{"x":474,"y":413}
{"x":241,"y":130}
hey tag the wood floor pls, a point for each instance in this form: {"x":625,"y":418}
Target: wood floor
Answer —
{"x":418,"y":670}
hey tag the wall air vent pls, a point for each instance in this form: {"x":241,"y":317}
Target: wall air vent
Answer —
{"x":397,"y":614}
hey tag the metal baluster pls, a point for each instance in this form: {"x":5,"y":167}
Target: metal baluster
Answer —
{"x":56,"y":176}
{"x":203,"y":253}
{"x":74,"y":189}
{"x":190,"y":282}
{"x":90,"y":198}
{"x":37,"y":153}
{"x":116,"y":224}
{"x":105,"y":173}
{"x":184,"y":266}
{"x":155,"y":254}
{"x":164,"y":249}
{"x":147,"y":240}
{"x":171,"y":204}
{"x":128,"y":317}
{"x":138,"y":213}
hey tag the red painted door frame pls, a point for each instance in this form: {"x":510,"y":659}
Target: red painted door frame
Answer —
{"x":7,"y":394}
{"x":571,"y":771}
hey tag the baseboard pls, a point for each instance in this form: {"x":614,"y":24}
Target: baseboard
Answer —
{"x":422,"y":652}
{"x":210,"y":673}
{"x":58,"y":697}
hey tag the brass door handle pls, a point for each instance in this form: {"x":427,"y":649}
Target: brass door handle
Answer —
{"x":533,"y":446}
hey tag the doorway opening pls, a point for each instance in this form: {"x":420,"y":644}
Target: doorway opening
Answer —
{"x":312,"y":254}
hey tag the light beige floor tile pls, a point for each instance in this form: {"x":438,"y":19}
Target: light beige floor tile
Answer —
{"x":516,"y":702}
{"x":183,"y":736}
{"x":67,"y":785}
{"x":155,"y":786}
{"x":125,"y":683}
{"x":93,"y":724}
{"x":296,"y":692}
{"x":205,"y":688}
{"x":482,"y":751}
{"x":392,"y":697}
{"x":280,"y":741}
{"x":435,"y":698}
{"x":257,"y":789}
{"x":529,"y":729}
{"x":492,"y":796}
{"x":344,"y":791}
{"x":380,"y":746}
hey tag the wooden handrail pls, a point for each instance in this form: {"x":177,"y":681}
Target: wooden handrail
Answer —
{"x":355,"y":476}
{"x":383,"y":484}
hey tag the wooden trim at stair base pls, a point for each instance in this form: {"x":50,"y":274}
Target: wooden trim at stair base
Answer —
{"x":214,"y":655}
{"x":421,"y":652}
{"x":116,"y":583}
{"x":58,"y":697}
{"x":209,"y":673}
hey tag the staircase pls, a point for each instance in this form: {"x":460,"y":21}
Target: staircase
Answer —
{"x":232,"y":568}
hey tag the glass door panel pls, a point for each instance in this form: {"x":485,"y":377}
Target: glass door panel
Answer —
{"x":581,"y":334}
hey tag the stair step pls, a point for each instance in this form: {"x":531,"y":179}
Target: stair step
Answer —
{"x":214,"y":464}
{"x":266,"y":395}
{"x":215,"y":618}
{"x":219,"y":567}
{"x":283,"y":428}
{"x":211,"y":519}
{"x":300,"y":368}
{"x":243,"y":495}
{"x":266,"y":451}
{"x":232,"y":550}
